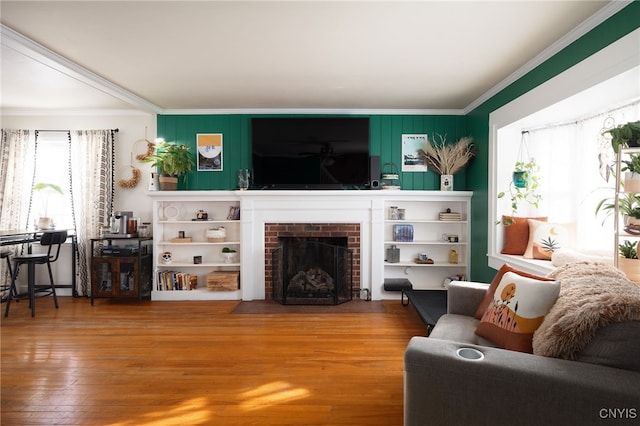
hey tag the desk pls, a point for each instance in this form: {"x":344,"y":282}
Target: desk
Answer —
{"x":24,"y":236}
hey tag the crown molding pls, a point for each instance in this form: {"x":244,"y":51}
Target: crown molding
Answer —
{"x":340,"y":111}
{"x":16,"y":41}
{"x":593,"y":21}
{"x":8,"y":112}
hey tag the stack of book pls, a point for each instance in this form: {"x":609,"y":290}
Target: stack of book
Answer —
{"x":450,"y":216}
{"x":174,"y":280}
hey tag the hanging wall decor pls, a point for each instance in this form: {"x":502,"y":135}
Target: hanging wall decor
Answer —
{"x":411,"y":159}
{"x":209,"y":152}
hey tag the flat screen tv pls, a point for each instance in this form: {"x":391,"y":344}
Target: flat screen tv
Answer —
{"x":310,"y":152}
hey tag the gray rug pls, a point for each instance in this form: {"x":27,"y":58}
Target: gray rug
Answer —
{"x":273,"y":307}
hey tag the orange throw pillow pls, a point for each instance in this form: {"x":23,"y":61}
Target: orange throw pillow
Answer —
{"x":518,"y":309}
{"x":515,"y":234}
{"x":488,"y":298}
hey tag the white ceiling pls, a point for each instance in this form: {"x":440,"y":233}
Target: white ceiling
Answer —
{"x":164,"y":56}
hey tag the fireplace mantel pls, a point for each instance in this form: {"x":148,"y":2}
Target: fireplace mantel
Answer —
{"x":367,"y":208}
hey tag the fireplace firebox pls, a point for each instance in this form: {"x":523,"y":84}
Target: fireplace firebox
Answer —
{"x":312,"y":271}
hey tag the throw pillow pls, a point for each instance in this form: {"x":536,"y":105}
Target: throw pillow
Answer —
{"x":544,"y":238}
{"x":515,"y":234}
{"x":519,"y":307}
{"x":488,"y":297}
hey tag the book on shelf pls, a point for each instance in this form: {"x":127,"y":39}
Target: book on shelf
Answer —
{"x":450,"y":216}
{"x":176,"y":280}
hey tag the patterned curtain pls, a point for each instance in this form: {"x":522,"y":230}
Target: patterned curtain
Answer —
{"x":14,"y":149}
{"x":92,"y":169}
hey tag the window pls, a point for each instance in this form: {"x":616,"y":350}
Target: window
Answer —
{"x":565,"y":117}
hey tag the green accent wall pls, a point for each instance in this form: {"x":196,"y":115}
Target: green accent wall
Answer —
{"x":385,"y":135}
{"x":386,"y":131}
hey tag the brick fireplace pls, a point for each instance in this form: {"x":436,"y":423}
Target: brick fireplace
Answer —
{"x":275,"y":231}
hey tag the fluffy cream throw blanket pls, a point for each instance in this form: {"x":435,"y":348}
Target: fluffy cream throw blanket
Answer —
{"x":592,"y":295}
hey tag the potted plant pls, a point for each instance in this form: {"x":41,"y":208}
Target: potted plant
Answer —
{"x":172,"y":161}
{"x":632,"y":221}
{"x":524,"y":186}
{"x":229,"y":254}
{"x":624,"y":135}
{"x":45,"y":190}
{"x":628,"y":261}
{"x":627,"y":203}
{"x":632,"y":173}
{"x":447,"y":159}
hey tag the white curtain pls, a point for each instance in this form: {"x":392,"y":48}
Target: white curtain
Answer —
{"x":14,"y":150}
{"x":92,"y":181}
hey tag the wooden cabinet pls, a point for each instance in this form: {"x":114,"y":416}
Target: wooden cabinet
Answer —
{"x":121,"y":268}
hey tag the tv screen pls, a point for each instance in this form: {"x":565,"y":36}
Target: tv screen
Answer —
{"x":310,"y":152}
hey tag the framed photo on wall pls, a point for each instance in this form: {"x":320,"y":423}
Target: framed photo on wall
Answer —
{"x":411,"y":159}
{"x":209,"y":152}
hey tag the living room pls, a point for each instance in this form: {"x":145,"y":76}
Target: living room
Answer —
{"x":593,"y":34}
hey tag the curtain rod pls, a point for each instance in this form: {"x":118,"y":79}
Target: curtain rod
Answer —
{"x":113,"y":130}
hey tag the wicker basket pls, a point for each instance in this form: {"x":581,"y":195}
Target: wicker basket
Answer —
{"x":216,"y":235}
{"x":215,"y":240}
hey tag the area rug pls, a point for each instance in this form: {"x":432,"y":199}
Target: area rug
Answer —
{"x":273,"y":307}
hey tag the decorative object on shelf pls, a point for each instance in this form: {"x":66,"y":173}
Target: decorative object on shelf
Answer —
{"x":154,"y":182}
{"x":45,"y":190}
{"x":401,"y":214}
{"x":393,"y":254}
{"x":452,"y":238}
{"x":624,"y":136}
{"x":173,"y":161}
{"x":166,"y":257}
{"x":632,"y":221}
{"x":390,"y":178}
{"x":223,"y":281}
{"x":234,"y":213}
{"x":631,"y":171}
{"x":403,"y":233}
{"x":524,"y":180}
{"x":412,"y":161}
{"x":171,"y":212}
{"x":427,"y":261}
{"x":202,"y":215}
{"x":450,"y":216}
{"x":243,"y":179}
{"x":209,"y":152}
{"x":144,"y":230}
{"x":447,"y":159}
{"x":453,"y":256}
{"x":628,"y":261}
{"x":228,"y":254}
{"x":393,"y":213}
{"x":216,"y":235}
{"x":197,"y":260}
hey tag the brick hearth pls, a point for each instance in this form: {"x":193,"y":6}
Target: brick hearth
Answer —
{"x":311,"y":230}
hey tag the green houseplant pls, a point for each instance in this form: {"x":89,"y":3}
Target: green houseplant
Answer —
{"x":524,"y":186}
{"x":172,"y":161}
{"x":624,"y":135}
{"x":627,"y":203}
{"x":45,"y":190}
{"x":628,"y":261}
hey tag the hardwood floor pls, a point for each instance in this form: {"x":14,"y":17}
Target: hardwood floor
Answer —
{"x":196,"y":363}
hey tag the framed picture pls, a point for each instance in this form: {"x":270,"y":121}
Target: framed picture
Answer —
{"x":411,"y":159}
{"x":209,"y":152}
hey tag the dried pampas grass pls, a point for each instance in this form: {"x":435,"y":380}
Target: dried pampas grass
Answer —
{"x":448,"y":159}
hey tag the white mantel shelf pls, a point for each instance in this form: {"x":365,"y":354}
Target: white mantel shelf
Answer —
{"x":258,"y":207}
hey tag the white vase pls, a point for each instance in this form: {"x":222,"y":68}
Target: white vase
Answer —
{"x":446,"y":182}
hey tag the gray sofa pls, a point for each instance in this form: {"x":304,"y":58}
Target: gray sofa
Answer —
{"x":514,"y":388}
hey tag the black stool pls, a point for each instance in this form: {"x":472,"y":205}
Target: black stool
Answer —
{"x":52,"y":239}
{"x":10,"y":284}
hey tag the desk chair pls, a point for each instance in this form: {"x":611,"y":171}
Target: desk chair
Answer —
{"x":54,"y":241}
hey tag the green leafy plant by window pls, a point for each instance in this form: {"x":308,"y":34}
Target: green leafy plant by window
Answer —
{"x":527,"y":190}
{"x":628,"y":249}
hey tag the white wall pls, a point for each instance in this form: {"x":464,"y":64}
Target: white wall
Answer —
{"x":131,"y":130}
{"x":131,"y":127}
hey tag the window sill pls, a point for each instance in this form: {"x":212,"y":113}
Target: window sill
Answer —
{"x":533,"y":266}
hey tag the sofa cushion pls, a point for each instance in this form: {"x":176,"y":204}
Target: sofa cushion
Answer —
{"x":515,"y":234}
{"x":488,"y":298}
{"x":593,"y":295}
{"x":616,"y":345}
{"x":519,"y":307}
{"x":459,"y":328}
{"x":544,"y":239}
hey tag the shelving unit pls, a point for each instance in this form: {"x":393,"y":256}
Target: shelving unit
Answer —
{"x":177,"y":231}
{"x":429,"y":233}
{"x":631,"y":266}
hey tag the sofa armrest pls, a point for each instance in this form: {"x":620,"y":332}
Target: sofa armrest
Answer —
{"x":506,"y":387}
{"x":463,"y":297}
